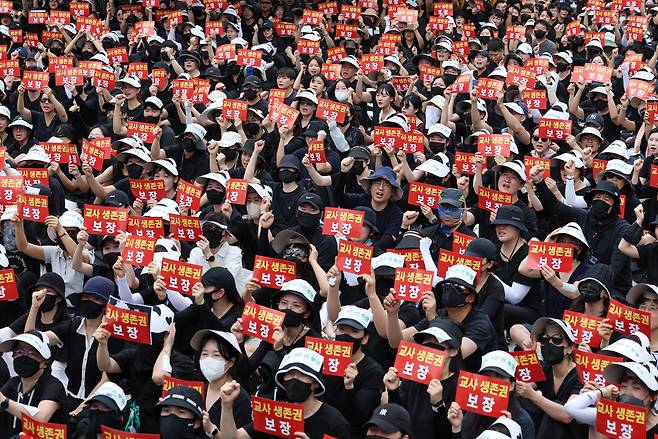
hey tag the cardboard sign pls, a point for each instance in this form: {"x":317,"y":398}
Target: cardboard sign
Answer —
{"x":282,"y":114}
{"x":462,"y":84}
{"x":617,"y":420}
{"x":180,"y":276}
{"x":412,"y":142}
{"x":481,"y":394}
{"x":539,"y":65}
{"x":529,"y":162}
{"x":519,"y":76}
{"x":236,"y":191}
{"x":147,"y":189}
{"x":429,"y":73}
{"x":331,"y":71}
{"x":559,"y":257}
{"x":147,"y":226}
{"x":410,"y":284}
{"x":273,"y":272}
{"x":138,"y":250}
{"x":438,"y":23}
{"x":585,"y":326}
{"x":188,"y":195}
{"x":185,"y":228}
{"x":37,"y":17}
{"x":529,"y":369}
{"x":316,"y":152}
{"x":331,"y":110}
{"x":32,"y":176}
{"x":159,"y":77}
{"x":33,"y":207}
{"x":110,"y":433}
{"x":328,"y":8}
{"x":354,"y":258}
{"x":443,"y":9}
{"x":276,"y":418}
{"x":260,"y":321}
{"x":93,"y":155}
{"x":249,"y":58}
{"x":387,"y":136}
{"x":515,"y":33}
{"x":314,"y":18}
{"x":345,"y":221}
{"x":573,"y":29}
{"x":225,"y":52}
{"x":350,"y":12}
{"x":488,"y":88}
{"x":102,"y":220}
{"x":308,"y":47}
{"x":335,"y":54}
{"x":447,"y":259}
{"x":10,"y":67}
{"x":555,"y":129}
{"x":127,"y":324}
{"x":590,"y":366}
{"x":141,"y":130}
{"x":59,"y":62}
{"x":171,"y":382}
{"x":626,"y":319}
{"x":637,"y":88}
{"x":34,"y":429}
{"x":419,"y":363}
{"x":8,"y":288}
{"x":235,"y":109}
{"x":490,"y":145}
{"x":460,"y":242}
{"x":337,"y":354}
{"x":35,"y":80}
{"x":423,"y":194}
{"x":465,"y":163}
{"x":491,"y":200}
{"x":139,"y":69}
{"x":79,"y":9}
{"x":372,"y":63}
{"x":412,"y":257}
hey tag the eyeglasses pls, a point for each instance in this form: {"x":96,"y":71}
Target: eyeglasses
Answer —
{"x":554,"y":339}
{"x":460,"y":289}
{"x":25,"y":352}
{"x":305,"y":102}
{"x":46,"y":101}
{"x":537,"y":139}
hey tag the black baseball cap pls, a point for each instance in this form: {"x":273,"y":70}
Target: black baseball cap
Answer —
{"x":312,"y":199}
{"x":391,"y":418}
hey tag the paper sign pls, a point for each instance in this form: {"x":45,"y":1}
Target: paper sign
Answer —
{"x":491,"y":200}
{"x":328,"y":8}
{"x":308,"y":47}
{"x":37,"y":17}
{"x":185,"y":228}
{"x":487,"y":88}
{"x":350,"y":12}
{"x":412,"y":142}
{"x":41,"y":430}
{"x":33,"y":207}
{"x":117,"y":55}
{"x":188,"y":195}
{"x":105,"y":79}
{"x":180,"y":276}
{"x":465,"y":163}
{"x":273,"y":272}
{"x":539,"y":65}
{"x":345,"y":221}
{"x":410,"y":284}
{"x":79,"y":9}
{"x":443,"y":9}
{"x":573,"y":28}
{"x":529,"y":162}
{"x":652,"y":111}
{"x":529,"y":368}
{"x":387,"y":136}
{"x":337,"y":354}
{"x":147,"y":189}
{"x":555,"y":129}
{"x":447,"y":259}
{"x":429,"y":73}
{"x":110,"y":433}
{"x":35,"y":80}
{"x":535,"y":99}
{"x":585,"y":326}
{"x":514,"y":33}
{"x":637,"y":88}
{"x":170,"y":382}
{"x":331,"y":110}
{"x":412,"y":257}
{"x":282,"y":114}
{"x":626,"y":319}
{"x":32,"y":176}
{"x":653,"y":176}
{"x":10,"y":187}
{"x":225,"y":52}
{"x":331,"y":71}
{"x":236,"y":191}
{"x":127,"y":324}
{"x":597,"y":73}
{"x":259,"y":321}
{"x":559,"y":257}
{"x":138,"y":250}
{"x":8,"y":288}
{"x":598,"y":166}
{"x":519,"y":76}
{"x":481,"y":394}
{"x":423,"y":194}
{"x":492,"y":144}
{"x":235,"y":109}
{"x":617,"y":420}
{"x":460,"y":242}
{"x":10,"y":67}
{"x":316,"y":152}
{"x":343,"y":30}
{"x":372,"y":63}
{"x":59,"y":62}
{"x":438,"y":23}
{"x":147,"y":226}
{"x":141,"y":130}
{"x":249,"y":58}
{"x":102,"y":220}
{"x":314,"y":18}
{"x":353,"y":257}
{"x":59,"y":152}
{"x":139,"y":69}
{"x":419,"y":363}
{"x":590,"y":366}
{"x":335,"y":54}
{"x":282,"y":419}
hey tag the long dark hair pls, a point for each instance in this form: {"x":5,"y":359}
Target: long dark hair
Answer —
{"x":224,"y":348}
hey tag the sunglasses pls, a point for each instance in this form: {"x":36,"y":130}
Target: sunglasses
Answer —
{"x":46,"y":101}
{"x":555,"y":339}
{"x":537,"y":139}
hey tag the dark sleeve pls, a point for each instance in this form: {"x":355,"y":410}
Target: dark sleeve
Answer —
{"x":645,"y":252}
{"x":422,"y":325}
{"x":358,"y":403}
{"x":479,"y":332}
{"x":495,"y":297}
{"x":242,"y":409}
{"x":387,"y":238}
{"x":560,"y":210}
{"x":62,"y":329}
{"x":530,"y":220}
{"x":18,"y":325}
{"x":618,"y":260}
{"x":125,"y":359}
{"x":54,"y":391}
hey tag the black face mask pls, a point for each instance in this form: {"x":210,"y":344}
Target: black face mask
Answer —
{"x":308,"y":220}
{"x":154,"y":53}
{"x":25,"y":366}
{"x":356,"y":342}
{"x":49,"y":303}
{"x":233,"y":70}
{"x":437,"y":91}
{"x":215,"y":196}
{"x":173,"y":427}
{"x":57,"y":51}
{"x":540,"y":33}
{"x":213,"y":236}
{"x":600,"y":104}
{"x":562,"y":67}
{"x":134,"y":170}
{"x":292,"y":318}
{"x":230,"y":154}
{"x":151,"y":119}
{"x":484,"y":40}
{"x":87,"y":55}
{"x":552,"y":354}
{"x":249,"y":94}
{"x":437,"y":146}
{"x":296,"y":390}
{"x":449,"y":78}
{"x":350,"y":50}
{"x":629,"y":399}
{"x":525,"y":17}
{"x":452,"y":297}
{"x":287,"y":175}
{"x":591,"y":291}
{"x":97,"y":418}
{"x":89,"y":309}
{"x":599,"y":210}
{"x":251,"y":129}
{"x":358,"y":167}
{"x":209,"y":300}
{"x":188,"y":144}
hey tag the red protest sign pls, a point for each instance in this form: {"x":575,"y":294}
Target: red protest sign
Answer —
{"x":59,"y":17}
{"x":443,"y":9}
{"x":277,"y":418}
{"x":372,"y":63}
{"x":314,"y":18}
{"x":225,"y":52}
{"x":462,"y":50}
{"x":514,"y":33}
{"x":529,"y":162}
{"x":147,"y":226}
{"x":598,"y":166}
{"x":316,"y":152}
{"x":637,"y":88}
{"x":180,"y":276}
{"x":491,"y":200}
{"x":410,"y":284}
{"x":59,"y":62}
{"x":528,"y":369}
{"x":412,"y":142}
{"x":249,"y":58}
{"x":105,"y":79}
{"x":337,"y":354}
{"x":460,"y":241}
{"x":33,"y":429}
{"x":350,"y":12}
{"x":33,"y":207}
{"x":188,"y":195}
{"x":402,"y":83}
{"x":214,"y":28}
{"x":559,"y":257}
{"x":102,"y":220}
{"x":519,"y":76}
{"x":438,"y":23}
{"x":37,"y":17}
{"x":345,"y":221}
{"x":447,"y":259}
{"x":260,"y":321}
{"x":590,"y":366}
{"x":170,"y":382}
{"x":138,"y":250}
{"x":273,"y":272}
{"x":282,"y":114}
{"x":539,"y":65}
{"x":605,"y":16}
{"x":555,"y":129}
{"x":182,"y":88}
{"x":10,"y":67}
{"x":331,"y":110}
{"x":492,"y":144}
{"x":147,"y":189}
{"x":488,"y":87}
{"x":573,"y":28}
{"x":10,"y":187}
{"x":353,"y":257}
{"x":626,"y":319}
{"x":185,"y":228}
{"x":653,"y":176}
{"x":481,"y":394}
{"x":423,"y":194}
{"x":585,"y":326}
{"x":308,"y":47}
{"x":617,"y":420}
{"x":387,"y":136}
{"x":597,"y":73}
{"x":468,"y":30}
{"x":8,"y":288}
{"x":141,"y":130}
{"x":139,"y":69}
{"x":335,"y":54}
{"x":93,"y":154}
{"x":346,"y":30}
{"x":419,"y":363}
{"x":465,"y":163}
{"x":412,"y":257}
{"x":58,"y":152}
{"x":236,"y":191}
{"x":622,"y":206}
{"x":328,"y":8}
{"x":117,"y":55}
{"x":652,"y":111}
{"x":90,"y":24}
{"x":127,"y":324}
{"x":110,"y":433}
{"x":32,"y":176}
{"x":79,"y":9}
{"x":429,"y":73}
{"x":331,"y":71}
{"x":235,"y":109}
{"x":35,"y":80}
{"x":159,"y":77}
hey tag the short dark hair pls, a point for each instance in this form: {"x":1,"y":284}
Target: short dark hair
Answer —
{"x":288,"y":72}
{"x":495,"y":44}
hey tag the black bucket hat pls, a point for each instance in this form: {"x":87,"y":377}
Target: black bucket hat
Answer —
{"x":605,"y":187}
{"x":510,"y":215}
{"x":184,"y":397}
{"x":50,"y":280}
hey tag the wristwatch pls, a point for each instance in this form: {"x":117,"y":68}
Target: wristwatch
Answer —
{"x":211,"y":258}
{"x":214,"y":431}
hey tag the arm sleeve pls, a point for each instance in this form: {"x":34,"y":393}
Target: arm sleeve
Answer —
{"x":516,"y":292}
{"x":553,"y":207}
{"x":580,"y":407}
{"x":570,"y":196}
{"x":178,"y":301}
{"x":58,"y":370}
{"x":126,"y":295}
{"x":338,"y":137}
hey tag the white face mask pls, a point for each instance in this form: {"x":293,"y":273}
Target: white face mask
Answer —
{"x":342,"y":96}
{"x":212,"y":368}
{"x":432,"y":115}
{"x":253,"y":210}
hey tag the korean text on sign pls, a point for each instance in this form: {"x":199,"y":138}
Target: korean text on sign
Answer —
{"x":260,"y":321}
{"x":419,"y":363}
{"x":170,"y":382}
{"x":528,"y":369}
{"x":354,"y":257}
{"x":127,"y":324}
{"x":618,"y":420}
{"x":273,"y":272}
{"x":277,"y":418}
{"x":590,"y":366}
{"x":559,"y":257}
{"x":585,"y":326}
{"x":410,"y":284}
{"x":101,"y":220}
{"x":337,"y":354}
{"x":42,"y":430}
{"x":481,"y":394}
{"x":180,"y":276}
{"x":626,"y":319}
{"x":138,"y":251}
{"x":344,"y":221}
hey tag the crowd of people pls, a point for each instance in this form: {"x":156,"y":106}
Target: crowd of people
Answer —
{"x":468,"y":180}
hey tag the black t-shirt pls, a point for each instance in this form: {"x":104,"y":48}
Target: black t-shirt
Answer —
{"x":196,"y":317}
{"x":189,"y":168}
{"x":491,"y":301}
{"x":241,"y":410}
{"x":327,"y":420}
{"x":47,"y":388}
{"x":508,"y":272}
{"x":43,"y":131}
